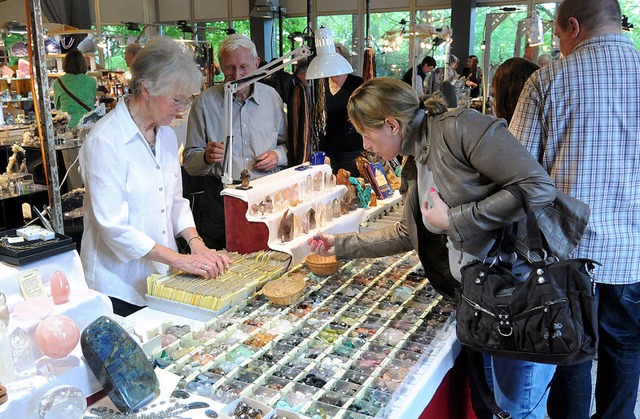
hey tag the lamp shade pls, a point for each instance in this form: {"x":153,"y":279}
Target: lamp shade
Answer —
{"x":327,"y":62}
{"x":535,"y":30}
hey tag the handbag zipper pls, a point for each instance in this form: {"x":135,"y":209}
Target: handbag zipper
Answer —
{"x":477,"y":306}
{"x":544,"y":307}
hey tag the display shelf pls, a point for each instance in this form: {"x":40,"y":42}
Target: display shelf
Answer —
{"x":335,"y":348}
{"x":260,"y":229}
{"x":63,"y":55}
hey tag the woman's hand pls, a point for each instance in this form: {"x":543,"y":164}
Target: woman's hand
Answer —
{"x":436,"y":215}
{"x":202,"y":261}
{"x":214,"y":263}
{"x":322,"y":244}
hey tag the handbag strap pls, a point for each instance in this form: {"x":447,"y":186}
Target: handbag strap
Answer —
{"x":72,"y":96}
{"x":534,"y":240}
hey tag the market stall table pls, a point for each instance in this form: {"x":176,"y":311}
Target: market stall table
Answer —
{"x":83,"y":307}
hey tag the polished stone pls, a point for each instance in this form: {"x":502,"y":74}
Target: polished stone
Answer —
{"x":57,"y":335}
{"x":59,"y":288}
{"x":119,"y":364}
{"x":62,"y":402}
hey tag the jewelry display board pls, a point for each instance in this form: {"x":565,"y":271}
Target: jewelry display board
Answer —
{"x":33,"y":250}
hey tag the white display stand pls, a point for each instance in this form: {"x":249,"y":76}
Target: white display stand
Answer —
{"x":83,"y":307}
{"x":270,"y":185}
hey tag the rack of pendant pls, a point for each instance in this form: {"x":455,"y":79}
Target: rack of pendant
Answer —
{"x":59,"y":42}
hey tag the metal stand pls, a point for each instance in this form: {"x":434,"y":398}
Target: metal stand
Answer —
{"x":44,"y":118}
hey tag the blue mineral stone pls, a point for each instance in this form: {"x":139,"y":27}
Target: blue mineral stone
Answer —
{"x":197,"y":405}
{"x":119,"y":364}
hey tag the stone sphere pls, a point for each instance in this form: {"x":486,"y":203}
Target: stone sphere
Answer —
{"x":57,"y":335}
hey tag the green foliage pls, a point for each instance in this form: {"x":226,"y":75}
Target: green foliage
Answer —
{"x":631,"y":8}
{"x":389,"y":63}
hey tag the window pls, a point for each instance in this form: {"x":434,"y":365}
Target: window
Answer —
{"x":391,"y":46}
{"x":439,"y":18}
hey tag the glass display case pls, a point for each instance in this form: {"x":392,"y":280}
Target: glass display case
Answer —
{"x":349,"y":348}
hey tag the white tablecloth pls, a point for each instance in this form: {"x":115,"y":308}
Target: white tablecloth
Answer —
{"x":83,"y":307}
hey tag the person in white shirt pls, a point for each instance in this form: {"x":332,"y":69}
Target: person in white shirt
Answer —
{"x":133,"y":208}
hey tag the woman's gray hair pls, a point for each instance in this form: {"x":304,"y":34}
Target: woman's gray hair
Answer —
{"x":235,"y":41}
{"x":165,"y":68}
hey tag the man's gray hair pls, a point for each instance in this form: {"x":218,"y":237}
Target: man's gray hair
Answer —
{"x":164,"y":67}
{"x":235,"y":41}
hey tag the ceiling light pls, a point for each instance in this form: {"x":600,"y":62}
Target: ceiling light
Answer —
{"x":534,"y":30}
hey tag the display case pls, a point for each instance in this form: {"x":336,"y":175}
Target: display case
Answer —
{"x":356,"y":345}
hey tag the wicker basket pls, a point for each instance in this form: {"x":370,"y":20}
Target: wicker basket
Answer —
{"x":284,"y":291}
{"x":322,"y":265}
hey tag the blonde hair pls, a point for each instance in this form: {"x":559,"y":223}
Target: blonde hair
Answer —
{"x":165,"y":68}
{"x":379,"y":99}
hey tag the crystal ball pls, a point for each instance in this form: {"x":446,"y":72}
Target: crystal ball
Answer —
{"x":57,"y":335}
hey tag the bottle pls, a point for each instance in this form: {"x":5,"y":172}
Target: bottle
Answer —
{"x":4,"y":310}
{"x":6,"y":358}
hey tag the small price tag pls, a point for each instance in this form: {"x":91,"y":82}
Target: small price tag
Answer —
{"x":31,"y":284}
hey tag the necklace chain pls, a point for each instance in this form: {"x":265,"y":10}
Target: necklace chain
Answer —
{"x":4,"y":242}
{"x":142,"y":130}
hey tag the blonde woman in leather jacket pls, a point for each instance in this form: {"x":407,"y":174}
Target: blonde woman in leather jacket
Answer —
{"x":464,"y":162}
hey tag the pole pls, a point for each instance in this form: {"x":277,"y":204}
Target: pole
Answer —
{"x":44,"y":118}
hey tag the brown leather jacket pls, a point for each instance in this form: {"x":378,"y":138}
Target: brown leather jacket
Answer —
{"x":473,"y":157}
{"x":469,"y":135}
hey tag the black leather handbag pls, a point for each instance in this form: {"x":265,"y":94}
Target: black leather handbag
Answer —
{"x":548,"y":317}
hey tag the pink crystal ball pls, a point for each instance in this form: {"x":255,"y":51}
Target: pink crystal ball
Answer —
{"x":57,"y":335}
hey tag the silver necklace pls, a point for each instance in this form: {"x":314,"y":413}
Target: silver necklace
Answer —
{"x":67,"y":44}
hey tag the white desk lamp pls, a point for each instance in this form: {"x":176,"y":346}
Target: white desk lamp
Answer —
{"x":328,"y":62}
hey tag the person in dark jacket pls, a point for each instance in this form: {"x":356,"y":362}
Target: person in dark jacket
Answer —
{"x":461,"y":194}
{"x":426,"y":66}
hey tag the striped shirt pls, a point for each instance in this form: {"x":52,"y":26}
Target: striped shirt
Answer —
{"x":580,"y":116}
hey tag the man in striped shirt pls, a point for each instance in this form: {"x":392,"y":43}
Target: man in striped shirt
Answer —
{"x":580,"y":116}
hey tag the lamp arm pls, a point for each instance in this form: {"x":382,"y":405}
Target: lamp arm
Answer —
{"x":232,"y":87}
{"x":268,"y":69}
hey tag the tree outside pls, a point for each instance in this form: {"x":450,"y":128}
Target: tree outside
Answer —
{"x":392,"y":50}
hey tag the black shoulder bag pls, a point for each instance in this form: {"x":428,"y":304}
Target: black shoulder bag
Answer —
{"x":549,"y":317}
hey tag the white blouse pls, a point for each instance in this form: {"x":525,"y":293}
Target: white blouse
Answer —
{"x":133,"y":200}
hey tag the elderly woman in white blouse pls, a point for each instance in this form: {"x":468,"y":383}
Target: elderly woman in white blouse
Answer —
{"x":133,"y":208}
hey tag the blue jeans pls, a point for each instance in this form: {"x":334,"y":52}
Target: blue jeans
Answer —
{"x":618,"y":362}
{"x":520,"y":387}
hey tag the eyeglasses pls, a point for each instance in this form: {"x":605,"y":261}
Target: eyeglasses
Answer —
{"x":181,"y":103}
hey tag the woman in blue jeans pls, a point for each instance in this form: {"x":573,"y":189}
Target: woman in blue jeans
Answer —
{"x":464,"y":161}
